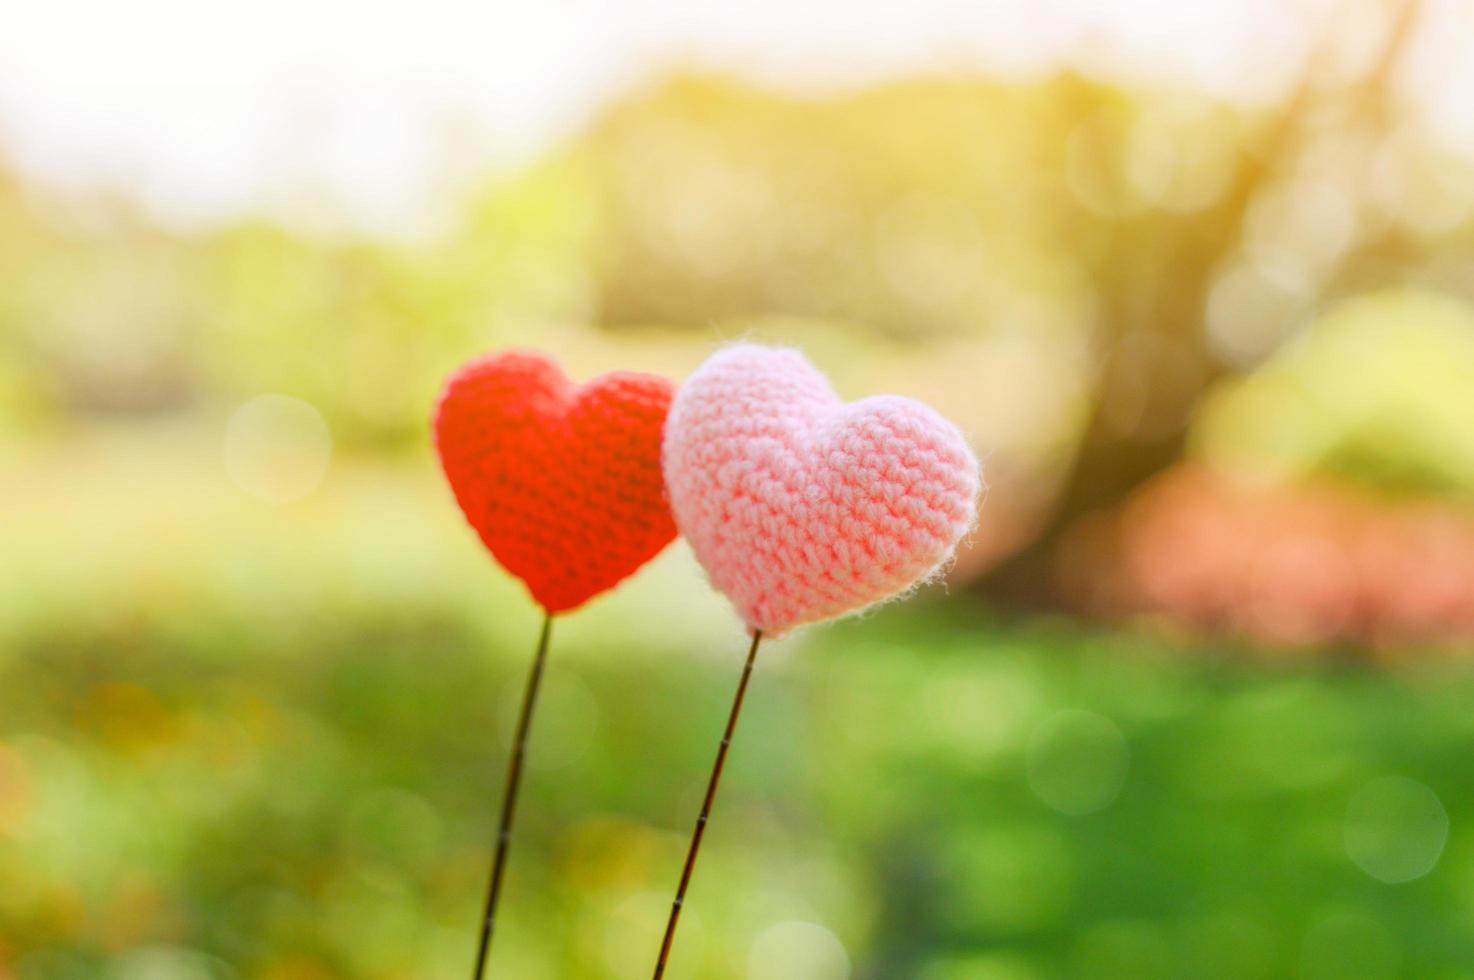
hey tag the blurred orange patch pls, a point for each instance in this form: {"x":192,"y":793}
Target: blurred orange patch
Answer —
{"x":297,"y":968}
{"x":127,"y":716}
{"x":1293,"y":567}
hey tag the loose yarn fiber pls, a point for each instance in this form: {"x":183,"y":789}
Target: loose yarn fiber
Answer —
{"x":802,"y":508}
{"x":562,"y":482}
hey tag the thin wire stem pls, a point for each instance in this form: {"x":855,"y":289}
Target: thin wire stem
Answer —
{"x":509,"y":796}
{"x":711,"y":793}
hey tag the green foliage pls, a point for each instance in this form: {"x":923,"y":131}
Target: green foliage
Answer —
{"x":1380,"y":391}
{"x":275,"y":751}
{"x":932,"y":210}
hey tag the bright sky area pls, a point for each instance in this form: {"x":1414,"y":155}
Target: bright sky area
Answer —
{"x":205,"y":110}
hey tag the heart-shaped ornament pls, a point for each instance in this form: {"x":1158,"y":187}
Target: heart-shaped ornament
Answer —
{"x":561,"y":481}
{"x":801,"y":507}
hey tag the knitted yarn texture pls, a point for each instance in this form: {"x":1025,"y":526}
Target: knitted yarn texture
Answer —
{"x":800,"y":507}
{"x":562,"y":482}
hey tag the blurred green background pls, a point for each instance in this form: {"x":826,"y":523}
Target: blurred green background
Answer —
{"x":1194,"y":702}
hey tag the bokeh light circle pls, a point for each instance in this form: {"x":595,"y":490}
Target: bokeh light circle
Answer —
{"x":1395,"y":829}
{"x":796,"y":950}
{"x":1077,"y":762}
{"x":277,"y":448}
{"x":166,"y":963}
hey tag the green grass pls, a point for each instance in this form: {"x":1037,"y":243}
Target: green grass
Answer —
{"x":239,"y":742}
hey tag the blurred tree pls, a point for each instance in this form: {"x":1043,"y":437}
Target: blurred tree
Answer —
{"x":1181,"y":239}
{"x":1167,"y":327}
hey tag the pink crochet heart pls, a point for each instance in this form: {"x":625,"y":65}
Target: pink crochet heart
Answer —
{"x":800,"y":507}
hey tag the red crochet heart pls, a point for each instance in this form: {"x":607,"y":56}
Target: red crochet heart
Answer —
{"x":562,"y":481}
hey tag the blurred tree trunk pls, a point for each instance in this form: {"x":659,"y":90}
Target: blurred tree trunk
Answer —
{"x":1155,"y":360}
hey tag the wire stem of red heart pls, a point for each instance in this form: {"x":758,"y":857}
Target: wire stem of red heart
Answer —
{"x":711,"y":793}
{"x":509,"y":796}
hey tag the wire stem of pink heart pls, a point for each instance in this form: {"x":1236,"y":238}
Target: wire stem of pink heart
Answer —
{"x":509,"y":796}
{"x":711,"y":793}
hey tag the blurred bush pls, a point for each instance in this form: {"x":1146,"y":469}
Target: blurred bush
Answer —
{"x":266,"y":746}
